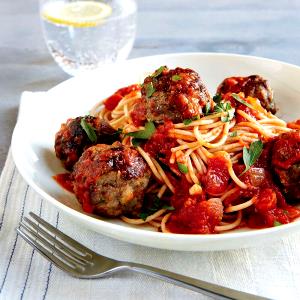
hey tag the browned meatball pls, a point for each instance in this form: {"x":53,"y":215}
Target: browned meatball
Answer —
{"x":254,"y":86}
{"x":71,"y":140}
{"x":286,"y":163}
{"x":111,"y":180}
{"x":174,"y":94}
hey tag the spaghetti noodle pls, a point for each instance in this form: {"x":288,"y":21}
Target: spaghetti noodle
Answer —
{"x":196,"y":143}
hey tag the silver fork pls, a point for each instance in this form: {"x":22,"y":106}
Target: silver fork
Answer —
{"x":81,"y":262}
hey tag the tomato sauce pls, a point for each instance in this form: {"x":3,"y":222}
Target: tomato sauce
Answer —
{"x":111,"y":102}
{"x":294,"y":125}
{"x":217,"y":177}
{"x":160,"y":143}
{"x":287,"y":150}
{"x":270,"y":208}
{"x":196,"y":216}
{"x":138,"y":114}
{"x":65,"y":181}
{"x":193,"y":214}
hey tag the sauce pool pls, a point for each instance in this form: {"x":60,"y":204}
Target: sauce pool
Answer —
{"x":65,"y":181}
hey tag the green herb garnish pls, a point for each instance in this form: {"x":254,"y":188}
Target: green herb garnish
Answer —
{"x":176,"y":77}
{"x":233,"y":134}
{"x":251,"y":155}
{"x":89,"y":130}
{"x":168,"y":207}
{"x":149,"y":89}
{"x":207,"y":108}
{"x":276,"y":223}
{"x":155,"y":206}
{"x":143,"y":215}
{"x":182,"y":168}
{"x":136,"y":142}
{"x":225,"y":107}
{"x":217,"y":98}
{"x":144,"y":134}
{"x":158,"y":71}
{"x":187,"y":121}
{"x":239,"y":99}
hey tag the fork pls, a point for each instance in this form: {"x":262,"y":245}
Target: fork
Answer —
{"x":81,"y":262}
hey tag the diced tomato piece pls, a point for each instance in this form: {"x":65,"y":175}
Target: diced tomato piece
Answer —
{"x":138,"y":114}
{"x":266,"y":200}
{"x":160,"y":143}
{"x":111,"y":102}
{"x":217,"y":176}
{"x":128,"y":89}
{"x":196,"y":217}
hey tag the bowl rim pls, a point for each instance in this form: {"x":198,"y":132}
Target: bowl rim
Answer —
{"x":138,"y":232}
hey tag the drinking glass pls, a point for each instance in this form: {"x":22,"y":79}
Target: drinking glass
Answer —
{"x":84,"y":35}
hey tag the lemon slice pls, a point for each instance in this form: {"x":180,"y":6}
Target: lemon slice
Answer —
{"x":77,"y":14}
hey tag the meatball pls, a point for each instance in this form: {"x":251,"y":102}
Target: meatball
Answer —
{"x":174,"y":94}
{"x":254,"y":86}
{"x":286,"y":163}
{"x":71,"y":140}
{"x":111,"y":180}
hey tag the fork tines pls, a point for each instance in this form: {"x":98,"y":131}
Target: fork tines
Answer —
{"x":63,"y":251}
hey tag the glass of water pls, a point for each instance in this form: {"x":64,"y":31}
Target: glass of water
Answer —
{"x":83,"y":35}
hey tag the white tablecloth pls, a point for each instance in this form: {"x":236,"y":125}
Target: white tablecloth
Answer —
{"x":272,"y":271}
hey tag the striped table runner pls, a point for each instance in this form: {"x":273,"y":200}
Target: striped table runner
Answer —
{"x":272,"y":271}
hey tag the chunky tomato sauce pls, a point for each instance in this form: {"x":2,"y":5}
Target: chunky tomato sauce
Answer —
{"x":111,"y":102}
{"x":138,"y":114}
{"x":217,"y":177}
{"x":294,"y":125}
{"x":160,"y":144}
{"x":193,"y":214}
{"x":65,"y":181}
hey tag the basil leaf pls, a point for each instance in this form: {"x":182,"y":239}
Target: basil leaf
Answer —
{"x":233,"y":134}
{"x":144,"y":134}
{"x":182,"y":168}
{"x":230,"y":113}
{"x":89,"y":130}
{"x":207,"y":108}
{"x":158,"y":71}
{"x":149,"y":89}
{"x":217,"y":98}
{"x":255,"y":150}
{"x":225,"y":107}
{"x":224,"y":119}
{"x":168,"y":207}
{"x":187,"y":121}
{"x":239,"y":99}
{"x":176,"y":77}
{"x":143,"y":216}
{"x":219,"y":107}
{"x":251,"y":155}
{"x":276,"y":223}
{"x":156,"y":204}
{"x":136,"y":142}
{"x":246,"y":159}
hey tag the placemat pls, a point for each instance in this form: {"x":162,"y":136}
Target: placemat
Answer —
{"x":272,"y":271}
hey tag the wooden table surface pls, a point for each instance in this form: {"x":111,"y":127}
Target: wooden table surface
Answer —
{"x":269,"y":28}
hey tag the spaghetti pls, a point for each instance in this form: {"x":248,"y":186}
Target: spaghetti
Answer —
{"x":218,"y":136}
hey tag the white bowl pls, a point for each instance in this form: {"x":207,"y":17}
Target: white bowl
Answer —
{"x":33,"y":138}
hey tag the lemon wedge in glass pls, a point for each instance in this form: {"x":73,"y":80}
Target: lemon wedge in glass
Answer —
{"x":76,"y":14}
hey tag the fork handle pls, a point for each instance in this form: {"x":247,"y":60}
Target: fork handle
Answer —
{"x":213,"y":290}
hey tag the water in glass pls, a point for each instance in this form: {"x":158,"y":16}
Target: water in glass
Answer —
{"x":86,"y":35}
